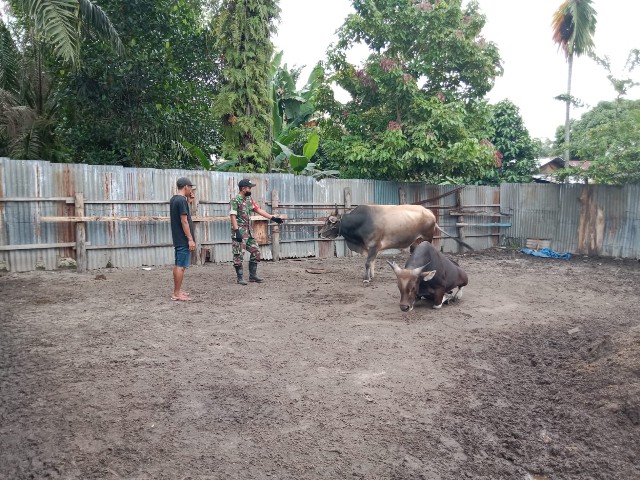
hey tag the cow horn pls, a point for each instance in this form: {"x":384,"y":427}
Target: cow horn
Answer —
{"x":335,"y":213}
{"x":418,"y":271}
{"x":395,"y":267}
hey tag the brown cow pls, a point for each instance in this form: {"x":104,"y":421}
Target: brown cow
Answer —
{"x":372,"y":228}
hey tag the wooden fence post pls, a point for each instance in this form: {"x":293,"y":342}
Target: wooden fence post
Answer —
{"x":347,"y":206}
{"x":275,"y":230}
{"x":402,"y":195}
{"x":460,"y":219}
{"x":81,"y":235}
{"x":199,"y":229}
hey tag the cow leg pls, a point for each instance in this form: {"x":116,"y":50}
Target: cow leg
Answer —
{"x":368,"y":272}
{"x":458,"y":294}
{"x":438,"y":298}
{"x":417,"y":242}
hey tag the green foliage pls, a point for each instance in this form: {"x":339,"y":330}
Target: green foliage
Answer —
{"x":558,"y":147}
{"x":139,"y":110}
{"x":27,"y":106}
{"x":570,"y":99}
{"x":573,"y":27}
{"x":293,"y":111}
{"x":416,"y":110}
{"x":59,"y":24}
{"x":608,"y":136}
{"x":197,"y":153}
{"x":543,"y":148}
{"x":244,"y":105}
{"x":298,"y":163}
{"x":516,"y":149}
{"x":40,"y":31}
{"x":295,"y":108}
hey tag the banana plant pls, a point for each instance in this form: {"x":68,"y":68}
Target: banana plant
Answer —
{"x":299,"y":163}
{"x":291,"y":110}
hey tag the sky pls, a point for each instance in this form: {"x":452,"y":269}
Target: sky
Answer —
{"x":534,"y":70}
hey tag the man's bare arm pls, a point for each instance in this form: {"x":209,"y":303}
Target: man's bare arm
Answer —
{"x":187,"y":231}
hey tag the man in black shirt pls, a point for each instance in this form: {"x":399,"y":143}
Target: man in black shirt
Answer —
{"x":182,"y":233}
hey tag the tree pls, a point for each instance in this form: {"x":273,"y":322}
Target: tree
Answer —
{"x":558,"y":148}
{"x":544,"y":147}
{"x":608,"y":134}
{"x":37,"y":32}
{"x":512,"y":140}
{"x":615,"y":148}
{"x":60,"y":24}
{"x":26,"y":106}
{"x":137,"y":110}
{"x":573,"y":25}
{"x":416,"y":110}
{"x":243,"y":29}
{"x":292,"y":113}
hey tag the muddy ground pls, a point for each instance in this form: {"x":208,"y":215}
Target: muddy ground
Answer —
{"x":313,"y":376}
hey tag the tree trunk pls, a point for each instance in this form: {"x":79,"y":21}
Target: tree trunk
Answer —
{"x":567,"y":120}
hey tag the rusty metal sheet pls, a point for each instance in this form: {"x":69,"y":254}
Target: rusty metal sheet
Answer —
{"x":594,"y":220}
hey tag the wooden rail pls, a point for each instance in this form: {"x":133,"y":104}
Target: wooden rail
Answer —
{"x":80,"y":221}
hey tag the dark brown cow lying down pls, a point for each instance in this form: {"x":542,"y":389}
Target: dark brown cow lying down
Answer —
{"x":369,"y":229}
{"x":428,"y":273}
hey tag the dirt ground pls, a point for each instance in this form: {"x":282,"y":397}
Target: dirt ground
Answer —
{"x":533,"y":374}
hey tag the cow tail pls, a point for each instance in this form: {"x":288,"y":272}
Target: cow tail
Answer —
{"x":455,"y":238}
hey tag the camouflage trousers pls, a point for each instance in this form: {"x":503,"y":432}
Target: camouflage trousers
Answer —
{"x":248,"y":243}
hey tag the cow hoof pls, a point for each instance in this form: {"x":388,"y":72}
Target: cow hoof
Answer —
{"x":365,"y":283}
{"x":437,"y":307}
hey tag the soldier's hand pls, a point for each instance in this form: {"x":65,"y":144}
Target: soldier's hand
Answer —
{"x":237,"y":236}
{"x":278,"y":220}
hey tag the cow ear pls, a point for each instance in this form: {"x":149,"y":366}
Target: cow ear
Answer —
{"x":395,"y":267}
{"x":428,"y":275}
{"x":333,"y":219}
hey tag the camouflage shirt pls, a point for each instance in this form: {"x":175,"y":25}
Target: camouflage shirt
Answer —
{"x":243,"y":208}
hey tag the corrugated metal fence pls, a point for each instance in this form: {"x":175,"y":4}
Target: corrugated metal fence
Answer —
{"x":585,"y":219}
{"x":601,"y":220}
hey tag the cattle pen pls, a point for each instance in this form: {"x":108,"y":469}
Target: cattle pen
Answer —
{"x":533,"y":374}
{"x":90,"y":217}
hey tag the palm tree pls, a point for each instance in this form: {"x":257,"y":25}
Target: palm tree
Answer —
{"x":573,"y":25}
{"x":27,"y":102}
{"x":61,"y":23}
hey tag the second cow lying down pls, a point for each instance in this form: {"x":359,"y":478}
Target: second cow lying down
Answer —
{"x":428,"y":273}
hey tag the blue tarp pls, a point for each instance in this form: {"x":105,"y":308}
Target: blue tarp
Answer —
{"x":546,"y":253}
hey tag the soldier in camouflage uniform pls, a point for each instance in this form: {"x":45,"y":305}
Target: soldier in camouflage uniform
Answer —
{"x":242,"y":208}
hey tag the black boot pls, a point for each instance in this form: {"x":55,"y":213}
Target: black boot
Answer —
{"x":253,"y":276}
{"x":240,"y":274}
